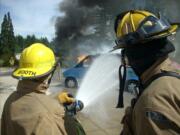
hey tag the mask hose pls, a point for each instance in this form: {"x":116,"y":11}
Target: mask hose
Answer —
{"x":122,"y":81}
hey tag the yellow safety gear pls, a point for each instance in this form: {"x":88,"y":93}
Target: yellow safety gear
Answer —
{"x":130,"y":22}
{"x":37,"y":60}
{"x":65,"y":98}
{"x":135,"y":26}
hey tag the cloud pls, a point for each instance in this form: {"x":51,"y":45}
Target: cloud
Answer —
{"x":32,"y":17}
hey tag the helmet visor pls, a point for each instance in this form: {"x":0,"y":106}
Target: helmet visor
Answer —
{"x":152,"y":25}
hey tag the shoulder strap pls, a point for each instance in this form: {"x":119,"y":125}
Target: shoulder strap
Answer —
{"x":163,"y":73}
{"x":142,"y":87}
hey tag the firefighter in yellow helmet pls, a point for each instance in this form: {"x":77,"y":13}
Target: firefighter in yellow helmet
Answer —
{"x":29,"y":111}
{"x":142,"y":36}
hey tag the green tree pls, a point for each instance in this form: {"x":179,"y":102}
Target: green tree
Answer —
{"x":0,"y":44}
{"x":45,"y":41}
{"x":30,"y":39}
{"x":11,"y":35}
{"x":20,"y":43}
{"x":7,"y":43}
{"x":4,"y":35}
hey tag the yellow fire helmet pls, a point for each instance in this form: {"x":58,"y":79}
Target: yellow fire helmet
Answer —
{"x":37,"y":60}
{"x":135,"y":26}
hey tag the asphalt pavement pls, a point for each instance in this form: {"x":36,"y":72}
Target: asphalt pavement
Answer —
{"x":6,"y":71}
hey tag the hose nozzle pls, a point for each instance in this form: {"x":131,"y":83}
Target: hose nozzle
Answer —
{"x":74,"y":107}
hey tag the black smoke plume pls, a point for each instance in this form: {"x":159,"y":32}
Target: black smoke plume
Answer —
{"x":87,"y":25}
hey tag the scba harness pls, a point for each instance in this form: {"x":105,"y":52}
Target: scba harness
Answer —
{"x":141,"y":87}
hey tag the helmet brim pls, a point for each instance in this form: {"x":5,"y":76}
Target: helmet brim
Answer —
{"x":31,"y":73}
{"x":171,"y":31}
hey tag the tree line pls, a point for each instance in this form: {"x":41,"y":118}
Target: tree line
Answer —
{"x":10,"y":45}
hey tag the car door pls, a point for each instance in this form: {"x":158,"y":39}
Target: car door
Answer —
{"x":82,"y":68}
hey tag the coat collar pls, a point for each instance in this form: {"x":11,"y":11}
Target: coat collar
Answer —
{"x":28,"y":86}
{"x":160,"y":65}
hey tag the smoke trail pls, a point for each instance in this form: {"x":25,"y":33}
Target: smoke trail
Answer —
{"x":87,"y":25}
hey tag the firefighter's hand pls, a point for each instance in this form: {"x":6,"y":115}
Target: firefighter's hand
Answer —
{"x":65,"y":98}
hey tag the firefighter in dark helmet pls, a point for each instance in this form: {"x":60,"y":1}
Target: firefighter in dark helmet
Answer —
{"x":143,"y":38}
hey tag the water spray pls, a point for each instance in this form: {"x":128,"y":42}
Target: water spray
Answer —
{"x":101,"y":77}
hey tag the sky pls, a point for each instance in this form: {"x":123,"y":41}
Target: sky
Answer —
{"x":32,"y":16}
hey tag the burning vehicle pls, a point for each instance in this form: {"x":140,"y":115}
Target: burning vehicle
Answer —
{"x":74,"y":75}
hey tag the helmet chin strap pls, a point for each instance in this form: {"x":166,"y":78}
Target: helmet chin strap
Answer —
{"x":122,"y":80}
{"x":51,"y":74}
{"x":48,"y":77}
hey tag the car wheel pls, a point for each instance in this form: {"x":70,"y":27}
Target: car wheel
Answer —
{"x":71,"y":83}
{"x":131,"y":86}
